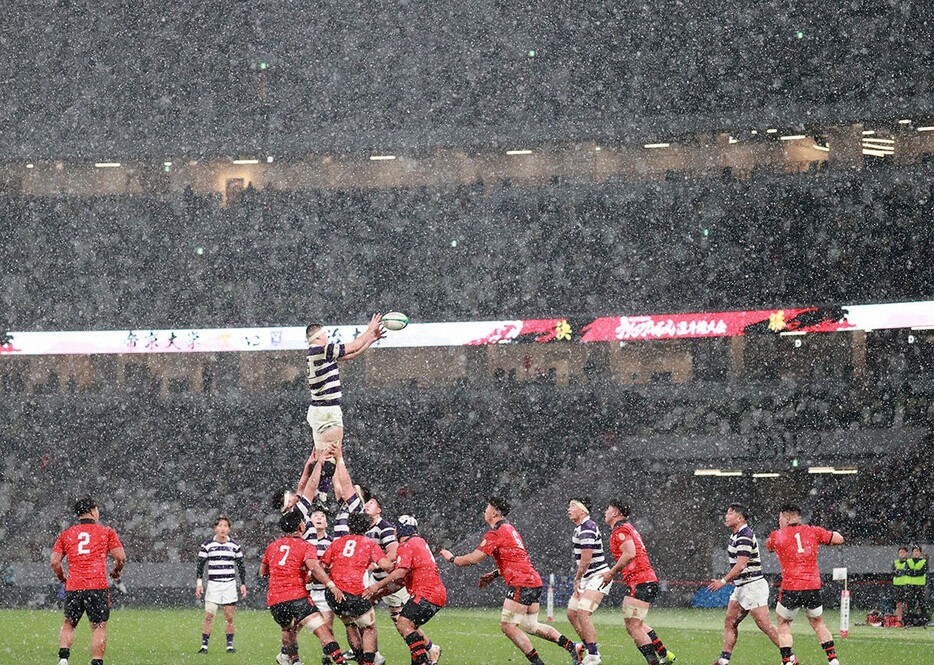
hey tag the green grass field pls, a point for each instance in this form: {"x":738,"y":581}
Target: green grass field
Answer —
{"x":469,"y":637}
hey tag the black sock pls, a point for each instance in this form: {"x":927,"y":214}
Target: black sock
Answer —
{"x":533,"y":657}
{"x":648,"y":651}
{"x":417,"y":648}
{"x":786,"y":653}
{"x":97,"y":661}
{"x":333,"y":651}
{"x":657,"y":645}
{"x":829,"y":649}
{"x":205,"y":637}
{"x":230,"y":639}
{"x":64,"y":652}
{"x":566,"y":644}
{"x":368,"y":657}
{"x":726,"y":655}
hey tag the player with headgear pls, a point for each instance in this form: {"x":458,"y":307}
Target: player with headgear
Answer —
{"x":417,"y":570}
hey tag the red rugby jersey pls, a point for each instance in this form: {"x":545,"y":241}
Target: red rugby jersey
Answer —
{"x":286,"y":559}
{"x":85,"y":546}
{"x":639,"y":570}
{"x":505,"y":545}
{"x":423,"y":579}
{"x":349,"y":557}
{"x":797,"y":547}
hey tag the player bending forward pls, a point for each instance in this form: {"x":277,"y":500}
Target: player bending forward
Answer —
{"x":523,"y":583}
{"x":796,"y":546}
{"x":348,"y":559}
{"x":632,"y":561}
{"x":417,"y":569}
{"x":589,"y":585}
{"x":286,"y":563}
{"x":751,"y":592}
{"x":86,"y":546}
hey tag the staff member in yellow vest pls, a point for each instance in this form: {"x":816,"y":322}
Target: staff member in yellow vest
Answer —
{"x":917,"y":586}
{"x":900,"y":582}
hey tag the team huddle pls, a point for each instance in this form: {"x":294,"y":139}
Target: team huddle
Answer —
{"x":315,"y":575}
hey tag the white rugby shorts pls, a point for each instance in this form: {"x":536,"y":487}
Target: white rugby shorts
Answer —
{"x":323,"y":418}
{"x":594,"y":582}
{"x":221,"y":593}
{"x":751,"y":595}
{"x":320,"y":600}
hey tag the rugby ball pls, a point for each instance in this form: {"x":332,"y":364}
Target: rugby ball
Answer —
{"x":395,"y":321}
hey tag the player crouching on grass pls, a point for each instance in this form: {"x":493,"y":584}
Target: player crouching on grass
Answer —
{"x":796,"y":546}
{"x":286,"y":563}
{"x":523,"y":583}
{"x":632,"y":560}
{"x":348,"y":558}
{"x":417,"y":570}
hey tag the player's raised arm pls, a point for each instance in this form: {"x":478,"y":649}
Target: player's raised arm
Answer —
{"x":343,"y":483}
{"x":372,"y":334}
{"x":311,"y":475}
{"x":471,"y":559}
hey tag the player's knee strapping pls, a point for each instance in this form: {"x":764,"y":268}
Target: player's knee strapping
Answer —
{"x":529,"y":623}
{"x":508,"y":616}
{"x":634,"y":612}
{"x":315,"y":621}
{"x":587,"y":605}
{"x":365,"y":620}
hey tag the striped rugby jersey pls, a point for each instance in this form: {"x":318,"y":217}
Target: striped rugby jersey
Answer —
{"x":222,"y":560}
{"x":384,"y":533}
{"x":324,"y":379}
{"x":587,"y":537}
{"x":352,"y":505}
{"x":743,"y":543}
{"x":321,"y":544}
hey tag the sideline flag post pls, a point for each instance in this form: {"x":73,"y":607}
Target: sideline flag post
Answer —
{"x":840,"y":574}
{"x":551,"y":597}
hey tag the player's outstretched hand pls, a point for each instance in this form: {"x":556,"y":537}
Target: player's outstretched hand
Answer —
{"x":375,"y":320}
{"x":486,"y":579}
{"x":243,"y":592}
{"x":716,"y":585}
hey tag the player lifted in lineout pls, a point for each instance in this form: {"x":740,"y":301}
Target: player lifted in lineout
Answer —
{"x":324,"y":413}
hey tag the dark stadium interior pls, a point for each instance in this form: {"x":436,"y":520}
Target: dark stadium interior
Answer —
{"x":596,"y":223}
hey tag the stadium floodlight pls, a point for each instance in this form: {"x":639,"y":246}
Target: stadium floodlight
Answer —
{"x":845,"y":472}
{"x":518,"y":152}
{"x":107,"y":165}
{"x":875,"y":140}
{"x":926,"y":129}
{"x":792,"y":137}
{"x":822,"y":148}
{"x":706,"y":472}
{"x":731,"y":140}
{"x":904,"y":121}
{"x":166,"y":163}
{"x":876,"y":153}
{"x":766,"y":474}
{"x":724,"y":474}
{"x":868,"y":132}
{"x":245,"y":161}
{"x":382,"y":158}
{"x":792,"y":333}
{"x":820,"y":469}
{"x":30,"y":166}
{"x":654,"y":146}
{"x":771,"y":130}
